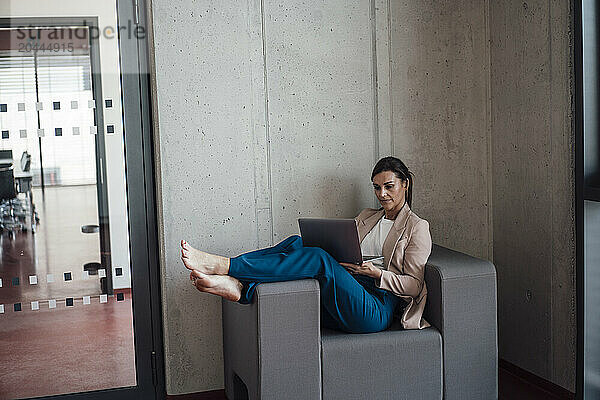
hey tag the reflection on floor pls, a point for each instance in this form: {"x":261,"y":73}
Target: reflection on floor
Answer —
{"x":65,"y":349}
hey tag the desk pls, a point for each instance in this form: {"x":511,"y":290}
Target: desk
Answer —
{"x":24,"y":181}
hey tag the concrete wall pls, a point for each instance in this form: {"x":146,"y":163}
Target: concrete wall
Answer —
{"x":533,"y":181}
{"x":439,"y":93}
{"x":481,"y":111}
{"x":264,"y":115}
{"x":268,"y":114}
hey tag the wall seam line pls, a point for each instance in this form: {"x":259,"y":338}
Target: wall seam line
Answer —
{"x":250,"y":10}
{"x":488,"y":127}
{"x":391,"y":82}
{"x":267,"y":125}
{"x":550,"y":372}
{"x":374,"y":82}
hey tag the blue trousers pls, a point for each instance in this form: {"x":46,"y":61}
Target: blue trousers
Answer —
{"x":350,"y":303}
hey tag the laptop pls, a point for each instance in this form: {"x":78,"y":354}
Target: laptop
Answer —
{"x":337,"y":236}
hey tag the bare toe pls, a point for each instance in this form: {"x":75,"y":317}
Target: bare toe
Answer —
{"x":206,"y":263}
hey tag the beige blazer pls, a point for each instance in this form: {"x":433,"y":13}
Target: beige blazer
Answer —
{"x":405,"y":252}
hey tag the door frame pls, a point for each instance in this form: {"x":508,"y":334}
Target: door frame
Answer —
{"x":138,"y":119}
{"x":577,"y":107}
{"x":141,"y":199}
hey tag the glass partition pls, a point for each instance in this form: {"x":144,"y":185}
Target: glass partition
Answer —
{"x":66,"y":308}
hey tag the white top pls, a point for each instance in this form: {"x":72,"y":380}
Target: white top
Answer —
{"x":372,"y":244}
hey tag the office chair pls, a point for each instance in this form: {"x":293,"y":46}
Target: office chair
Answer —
{"x":6,"y":154}
{"x":24,"y":185}
{"x":12,"y":213}
{"x":25,"y":161}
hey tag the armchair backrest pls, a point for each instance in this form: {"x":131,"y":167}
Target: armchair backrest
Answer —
{"x":7,"y":183}
{"x":25,"y":162}
{"x":461,"y":304}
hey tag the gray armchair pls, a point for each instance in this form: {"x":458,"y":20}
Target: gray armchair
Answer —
{"x":274,"y":348}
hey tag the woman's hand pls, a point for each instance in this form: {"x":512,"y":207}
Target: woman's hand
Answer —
{"x":366,"y":268}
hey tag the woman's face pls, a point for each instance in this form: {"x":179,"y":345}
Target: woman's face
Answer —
{"x":390,"y":190}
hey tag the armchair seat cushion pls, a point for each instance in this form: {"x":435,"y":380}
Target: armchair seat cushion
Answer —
{"x":393,"y":364}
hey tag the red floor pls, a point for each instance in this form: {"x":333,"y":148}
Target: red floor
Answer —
{"x":65,"y":349}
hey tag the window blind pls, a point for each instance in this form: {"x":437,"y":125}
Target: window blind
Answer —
{"x":64,"y":89}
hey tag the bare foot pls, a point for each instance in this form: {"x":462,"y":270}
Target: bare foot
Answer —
{"x":222,"y":285}
{"x":205,"y":263}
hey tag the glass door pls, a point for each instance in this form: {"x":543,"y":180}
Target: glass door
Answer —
{"x":78,"y":290}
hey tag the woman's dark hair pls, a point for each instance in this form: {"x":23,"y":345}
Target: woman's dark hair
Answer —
{"x":401,"y":171}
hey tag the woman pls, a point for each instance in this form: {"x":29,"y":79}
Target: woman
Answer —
{"x":354,"y":298}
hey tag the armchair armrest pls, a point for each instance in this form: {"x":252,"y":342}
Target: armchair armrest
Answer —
{"x":280,"y":333}
{"x":461,"y":304}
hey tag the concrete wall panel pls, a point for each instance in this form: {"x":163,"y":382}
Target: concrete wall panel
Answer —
{"x":320,"y":91}
{"x":533,"y":186}
{"x":263,"y":116}
{"x":563,"y":308}
{"x":208,"y":195}
{"x":522,"y":196}
{"x":439,"y":116}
